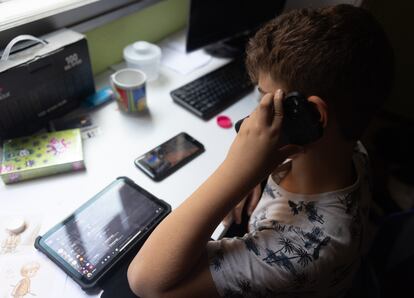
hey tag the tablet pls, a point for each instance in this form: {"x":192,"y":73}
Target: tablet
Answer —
{"x":89,"y":242}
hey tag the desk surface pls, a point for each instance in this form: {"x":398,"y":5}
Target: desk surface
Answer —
{"x":124,"y":137}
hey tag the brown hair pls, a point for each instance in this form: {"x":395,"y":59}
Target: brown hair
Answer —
{"x":338,"y":53}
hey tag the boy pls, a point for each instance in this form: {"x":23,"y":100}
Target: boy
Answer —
{"x":308,"y":231}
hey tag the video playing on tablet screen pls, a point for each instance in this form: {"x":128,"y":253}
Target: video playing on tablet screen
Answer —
{"x":98,"y":231}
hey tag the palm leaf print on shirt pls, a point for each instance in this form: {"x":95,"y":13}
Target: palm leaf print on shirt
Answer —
{"x":309,"y":208}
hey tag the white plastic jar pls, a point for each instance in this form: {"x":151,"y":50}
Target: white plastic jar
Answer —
{"x":144,"y":56}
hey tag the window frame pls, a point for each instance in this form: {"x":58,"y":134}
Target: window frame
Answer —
{"x":81,"y":19}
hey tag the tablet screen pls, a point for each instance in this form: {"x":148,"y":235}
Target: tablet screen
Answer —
{"x":98,"y":231}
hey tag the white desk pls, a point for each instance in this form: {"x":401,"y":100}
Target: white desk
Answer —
{"x":123,"y":138}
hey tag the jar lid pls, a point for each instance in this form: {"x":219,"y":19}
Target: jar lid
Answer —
{"x":224,"y":121}
{"x":142,"y":51}
{"x":16,"y":224}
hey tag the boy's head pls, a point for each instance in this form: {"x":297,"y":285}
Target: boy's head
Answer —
{"x":338,"y":53}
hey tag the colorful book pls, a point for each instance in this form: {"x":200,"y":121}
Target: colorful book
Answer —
{"x":41,"y":155}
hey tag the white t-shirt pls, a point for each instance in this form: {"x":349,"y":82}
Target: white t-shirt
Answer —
{"x":297,"y":245}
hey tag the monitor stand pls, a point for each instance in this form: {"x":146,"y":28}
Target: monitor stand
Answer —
{"x":230,"y":48}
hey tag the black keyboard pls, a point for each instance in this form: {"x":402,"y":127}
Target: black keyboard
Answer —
{"x":212,"y":93}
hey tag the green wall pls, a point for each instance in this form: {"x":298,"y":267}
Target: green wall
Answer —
{"x":151,"y":24}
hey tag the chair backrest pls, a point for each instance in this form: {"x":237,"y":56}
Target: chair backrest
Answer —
{"x":392,"y":255}
{"x":388,"y":269}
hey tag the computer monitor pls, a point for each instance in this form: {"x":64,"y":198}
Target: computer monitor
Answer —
{"x":222,"y":27}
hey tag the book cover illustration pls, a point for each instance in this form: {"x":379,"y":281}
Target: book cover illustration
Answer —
{"x":42,"y":155}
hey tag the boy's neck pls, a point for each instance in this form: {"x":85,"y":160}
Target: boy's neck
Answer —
{"x":325,"y":166}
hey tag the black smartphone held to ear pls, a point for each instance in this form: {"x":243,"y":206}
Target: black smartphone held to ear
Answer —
{"x":301,"y":120}
{"x":168,"y":157}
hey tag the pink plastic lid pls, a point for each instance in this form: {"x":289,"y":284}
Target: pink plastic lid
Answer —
{"x":224,"y":121}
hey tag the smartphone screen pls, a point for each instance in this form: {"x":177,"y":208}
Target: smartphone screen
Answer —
{"x":166,"y":158}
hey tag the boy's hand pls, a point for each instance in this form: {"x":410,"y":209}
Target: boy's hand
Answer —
{"x":256,"y":151}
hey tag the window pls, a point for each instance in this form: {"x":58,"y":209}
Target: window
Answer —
{"x":18,"y":12}
{"x":38,"y":17}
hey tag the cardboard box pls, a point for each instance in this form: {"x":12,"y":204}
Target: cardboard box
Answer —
{"x":43,"y":82}
{"x":41,"y":155}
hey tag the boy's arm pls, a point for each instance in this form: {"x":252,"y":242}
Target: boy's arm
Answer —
{"x":173,"y":261}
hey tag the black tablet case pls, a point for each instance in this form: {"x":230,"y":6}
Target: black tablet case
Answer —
{"x":115,"y":282}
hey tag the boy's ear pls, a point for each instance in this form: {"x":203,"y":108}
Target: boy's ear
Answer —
{"x":322,"y":108}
